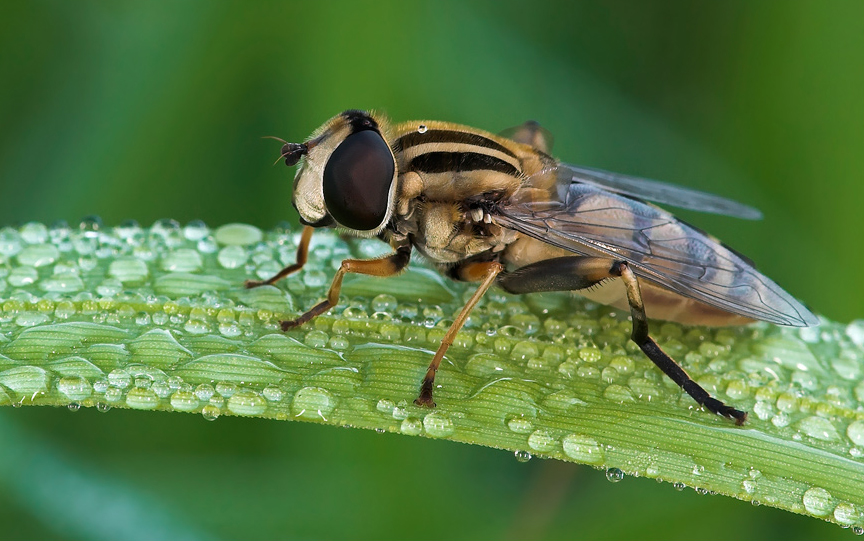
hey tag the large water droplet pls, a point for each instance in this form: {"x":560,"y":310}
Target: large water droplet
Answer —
{"x":818,"y":501}
{"x":141,"y":399}
{"x":184,"y":401}
{"x":232,"y":257}
{"x":38,"y":255}
{"x":520,"y":424}
{"x":542,"y":441}
{"x":74,"y":387}
{"x":128,"y":270}
{"x":437,"y":425}
{"x":238,"y":235}
{"x":855,"y":431}
{"x":246,"y":402}
{"x":411,"y":426}
{"x":583,"y":449}
{"x":847,"y":514}
{"x":819,"y":428}
{"x":313,"y":403}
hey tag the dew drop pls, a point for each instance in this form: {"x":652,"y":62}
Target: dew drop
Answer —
{"x":73,"y":406}
{"x":247,"y":402}
{"x":422,"y":128}
{"x":226,"y":388}
{"x":141,"y":399}
{"x":313,"y":403}
{"x":679,"y":486}
{"x":583,"y":449}
{"x":74,"y":387}
{"x":385,"y":406}
{"x":411,"y":426}
{"x":210,"y":412}
{"x":847,"y":514}
{"x":384,"y":303}
{"x":614,"y":475}
{"x":102,"y":407}
{"x":195,"y":230}
{"x":818,"y":428}
{"x":204,"y":392}
{"x":273,"y":393}
{"x":438,"y":425}
{"x":232,"y":257}
{"x":855,"y":431}
{"x":238,"y":235}
{"x":30,"y":319}
{"x":184,"y":401}
{"x":522,"y":456}
{"x":542,"y":441}
{"x":119,"y":378}
{"x":520,"y":424}
{"x":818,"y":502}
{"x":749,"y":486}
{"x":113,"y":394}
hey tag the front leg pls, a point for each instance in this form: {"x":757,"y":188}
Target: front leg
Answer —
{"x":385,"y":266}
{"x":302,"y":255}
{"x":484,"y":272}
{"x":575,"y":273}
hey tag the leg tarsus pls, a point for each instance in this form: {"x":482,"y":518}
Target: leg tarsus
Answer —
{"x":486,"y":272}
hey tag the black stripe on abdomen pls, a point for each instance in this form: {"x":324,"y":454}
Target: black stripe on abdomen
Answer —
{"x":456,"y":162}
{"x":449,"y":136}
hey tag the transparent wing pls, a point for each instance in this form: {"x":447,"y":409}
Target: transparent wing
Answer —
{"x":594,"y":222}
{"x":653,"y":190}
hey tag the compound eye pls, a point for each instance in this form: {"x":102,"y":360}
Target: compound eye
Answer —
{"x":357,"y":181}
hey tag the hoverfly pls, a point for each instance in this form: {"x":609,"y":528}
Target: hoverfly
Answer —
{"x":499,"y":210}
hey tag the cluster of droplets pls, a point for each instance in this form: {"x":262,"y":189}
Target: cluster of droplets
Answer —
{"x":157,"y":318}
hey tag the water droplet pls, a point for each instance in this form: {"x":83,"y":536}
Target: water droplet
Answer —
{"x":583,"y":449}
{"x":113,"y":394}
{"x":679,"y":486}
{"x":195,"y":230}
{"x":22,"y":276}
{"x":30,"y":319}
{"x":210,"y":412}
{"x":313,"y":403}
{"x":858,"y":530}
{"x":38,"y":255}
{"x":141,"y":399}
{"x":614,"y":475}
{"x":232,"y":257}
{"x":74,"y":387}
{"x":385,"y":406}
{"x":204,"y":392}
{"x":520,"y":424}
{"x":737,"y":389}
{"x":422,"y":128}
{"x":437,"y":425}
{"x":184,"y":401}
{"x":590,"y":354}
{"x":384,"y":303}
{"x":73,"y":406}
{"x":819,"y":428}
{"x":749,"y":486}
{"x":226,"y":388}
{"x":316,"y":339}
{"x":102,"y":407}
{"x":314,"y":278}
{"x":10,"y":242}
{"x":128,"y":270}
{"x":411,"y":426}
{"x":524,"y":350}
{"x":34,"y":233}
{"x":273,"y":393}
{"x":238,"y":235}
{"x":119,"y":378}
{"x":818,"y":502}
{"x":246,"y":402}
{"x":855,"y":431}
{"x":847,"y":514}
{"x":522,"y":456}
{"x":542,"y":441}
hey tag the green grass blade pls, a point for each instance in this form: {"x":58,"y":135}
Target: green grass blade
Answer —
{"x":157,"y":319}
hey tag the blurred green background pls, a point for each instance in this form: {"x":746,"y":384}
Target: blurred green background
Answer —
{"x":151,"y":110}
